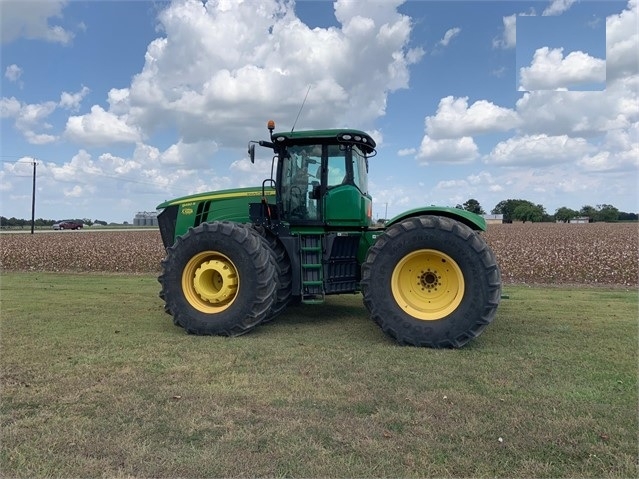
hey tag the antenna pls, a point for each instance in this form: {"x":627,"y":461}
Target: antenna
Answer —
{"x":298,"y":113}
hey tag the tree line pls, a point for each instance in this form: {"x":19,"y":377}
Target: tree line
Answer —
{"x":524,"y":210}
{"x":511,"y":209}
{"x":40,"y":222}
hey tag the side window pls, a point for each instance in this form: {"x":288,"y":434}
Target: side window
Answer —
{"x":360,"y":172}
{"x":336,"y":166}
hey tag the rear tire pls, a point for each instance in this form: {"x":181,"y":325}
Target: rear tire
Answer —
{"x":431,"y":281}
{"x":218,"y":279}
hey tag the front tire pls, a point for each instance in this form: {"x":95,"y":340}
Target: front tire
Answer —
{"x":283,"y":273}
{"x":431,"y":281}
{"x":218,"y":279}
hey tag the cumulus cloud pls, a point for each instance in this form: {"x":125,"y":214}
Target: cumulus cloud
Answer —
{"x":189,"y":155}
{"x":508,"y":37}
{"x":585,"y":114}
{"x":622,"y":43}
{"x":29,"y":118}
{"x":557,"y":7}
{"x":100,"y":128}
{"x":13,"y":73}
{"x":461,"y":150}
{"x":72,"y":101}
{"x":27,"y":19}
{"x":550,"y":70}
{"x":538,"y":150}
{"x":195,"y":78}
{"x":454,"y":118}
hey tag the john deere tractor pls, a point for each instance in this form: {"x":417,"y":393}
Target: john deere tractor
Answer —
{"x":237,"y":258}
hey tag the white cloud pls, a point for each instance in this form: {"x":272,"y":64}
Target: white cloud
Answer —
{"x":449,"y":35}
{"x":452,"y":184}
{"x":622,"y":43}
{"x":71,"y":101}
{"x":557,"y":7}
{"x":195,"y":79}
{"x":585,"y":114}
{"x":550,"y":70}
{"x":13,"y":72}
{"x":538,"y":150}
{"x":9,"y":107}
{"x":407,"y":152}
{"x":461,"y":150}
{"x":100,"y":128}
{"x":619,"y":152}
{"x":509,"y":35}
{"x":508,"y":38}
{"x":29,"y":19}
{"x":29,"y":118}
{"x":189,"y":155}
{"x":455,"y":119}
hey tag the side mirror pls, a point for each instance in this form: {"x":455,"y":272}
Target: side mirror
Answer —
{"x":251,"y":152}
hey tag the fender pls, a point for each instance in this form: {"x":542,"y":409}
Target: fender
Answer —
{"x":471,"y":220}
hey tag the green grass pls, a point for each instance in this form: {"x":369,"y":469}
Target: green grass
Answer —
{"x":97,"y":381}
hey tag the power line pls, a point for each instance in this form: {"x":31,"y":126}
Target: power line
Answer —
{"x":92,"y":173}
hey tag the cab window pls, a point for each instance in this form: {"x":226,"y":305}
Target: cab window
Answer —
{"x":360,"y":170}
{"x":301,"y":169}
{"x":336,"y":166}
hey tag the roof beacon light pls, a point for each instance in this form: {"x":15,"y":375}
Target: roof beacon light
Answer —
{"x":270,"y":125}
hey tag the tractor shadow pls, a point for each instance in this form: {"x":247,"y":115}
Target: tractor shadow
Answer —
{"x":343,"y":315}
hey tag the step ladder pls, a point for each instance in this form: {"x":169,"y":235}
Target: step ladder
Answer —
{"x":311,"y":254}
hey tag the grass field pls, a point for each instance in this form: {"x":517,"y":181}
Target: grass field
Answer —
{"x":97,"y":382}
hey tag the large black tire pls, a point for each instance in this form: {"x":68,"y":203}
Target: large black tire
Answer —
{"x":431,"y":281}
{"x":283,"y":273}
{"x":218,"y":279}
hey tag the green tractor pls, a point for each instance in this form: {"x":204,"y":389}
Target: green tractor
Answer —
{"x":237,"y":258}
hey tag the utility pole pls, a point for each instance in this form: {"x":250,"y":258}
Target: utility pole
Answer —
{"x":33,"y":197}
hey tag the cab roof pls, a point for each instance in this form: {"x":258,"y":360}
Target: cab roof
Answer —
{"x":358,"y":137}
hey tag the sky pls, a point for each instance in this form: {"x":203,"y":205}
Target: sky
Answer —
{"x":125,"y":104}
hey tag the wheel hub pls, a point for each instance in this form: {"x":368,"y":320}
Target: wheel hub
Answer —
{"x":210,"y":282}
{"x":427,"y":284}
{"x":429,"y":280}
{"x":215,"y":281}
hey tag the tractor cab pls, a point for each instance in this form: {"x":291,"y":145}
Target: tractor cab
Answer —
{"x":321,"y":178}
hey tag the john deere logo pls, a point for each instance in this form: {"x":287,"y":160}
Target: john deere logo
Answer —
{"x":187,"y":211}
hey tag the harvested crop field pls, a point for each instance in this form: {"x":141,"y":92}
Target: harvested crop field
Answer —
{"x":540,"y":253}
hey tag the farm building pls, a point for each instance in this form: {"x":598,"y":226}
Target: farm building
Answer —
{"x":580,"y":220}
{"x":145,"y":218}
{"x":494,"y":219}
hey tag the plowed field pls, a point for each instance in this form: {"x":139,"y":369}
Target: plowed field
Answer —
{"x":544,"y":253}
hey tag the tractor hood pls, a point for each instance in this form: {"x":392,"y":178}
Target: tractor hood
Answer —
{"x":255,"y":191}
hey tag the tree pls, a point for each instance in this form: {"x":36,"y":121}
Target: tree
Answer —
{"x":588,"y":211}
{"x":473,"y":206}
{"x":623,"y":216}
{"x":607,"y":213}
{"x":507,"y":208}
{"x":529,"y":212}
{"x":565,"y":214}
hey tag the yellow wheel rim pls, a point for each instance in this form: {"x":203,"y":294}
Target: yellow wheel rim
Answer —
{"x":210,"y":282}
{"x":427,"y":284}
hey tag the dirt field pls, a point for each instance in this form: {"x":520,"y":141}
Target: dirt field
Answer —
{"x":545,"y":253}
